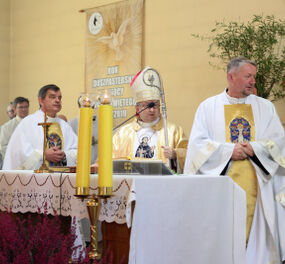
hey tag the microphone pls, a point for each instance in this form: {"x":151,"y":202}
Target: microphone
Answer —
{"x":150,"y":105}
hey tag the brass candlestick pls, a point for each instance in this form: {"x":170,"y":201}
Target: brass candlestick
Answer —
{"x":44,"y":168}
{"x":94,"y":207}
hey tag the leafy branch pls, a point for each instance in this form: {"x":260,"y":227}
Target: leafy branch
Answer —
{"x":262,"y":40}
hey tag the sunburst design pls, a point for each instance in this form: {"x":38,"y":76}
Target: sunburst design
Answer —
{"x":119,"y":42}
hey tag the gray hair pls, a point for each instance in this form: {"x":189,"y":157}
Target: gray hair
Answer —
{"x":237,"y":62}
{"x":9,"y":106}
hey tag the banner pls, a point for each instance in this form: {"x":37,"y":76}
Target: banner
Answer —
{"x":113,"y":53}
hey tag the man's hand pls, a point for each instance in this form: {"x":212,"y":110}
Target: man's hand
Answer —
{"x":242,"y":151}
{"x":239,"y":152}
{"x":247,"y":149}
{"x":54,"y":154}
{"x":169,"y":152}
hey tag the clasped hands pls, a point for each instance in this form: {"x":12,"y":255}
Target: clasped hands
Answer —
{"x":169,"y":152}
{"x":242,"y":151}
{"x":54,"y":154}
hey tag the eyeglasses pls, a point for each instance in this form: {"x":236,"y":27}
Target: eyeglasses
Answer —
{"x":145,"y":105}
{"x":22,"y":107}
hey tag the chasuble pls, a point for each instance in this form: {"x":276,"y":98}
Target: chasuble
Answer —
{"x":214,"y":134}
{"x":124,"y":141}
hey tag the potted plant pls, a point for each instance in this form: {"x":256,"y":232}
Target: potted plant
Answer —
{"x":262,"y":40}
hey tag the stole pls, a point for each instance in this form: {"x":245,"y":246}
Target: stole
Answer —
{"x":240,"y":127}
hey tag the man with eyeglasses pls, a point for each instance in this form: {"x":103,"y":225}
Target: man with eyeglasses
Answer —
{"x":21,"y":109}
{"x":144,"y":137}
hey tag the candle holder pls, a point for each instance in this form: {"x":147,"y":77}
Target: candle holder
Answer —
{"x":83,"y":162}
{"x":93,"y":205}
{"x":93,"y":208}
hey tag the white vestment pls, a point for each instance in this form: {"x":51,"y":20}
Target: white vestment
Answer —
{"x":208,"y":153}
{"x":25,"y":148}
{"x":94,"y":147}
{"x":6,"y":133}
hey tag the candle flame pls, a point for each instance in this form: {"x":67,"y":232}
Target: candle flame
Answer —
{"x":105,"y":101}
{"x":105,"y":98}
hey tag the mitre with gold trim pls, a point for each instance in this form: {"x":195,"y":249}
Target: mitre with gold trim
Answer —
{"x":146,"y":86}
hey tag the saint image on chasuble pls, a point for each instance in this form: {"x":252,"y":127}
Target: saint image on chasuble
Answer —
{"x":240,"y":130}
{"x":55,"y":139}
{"x":144,"y":150}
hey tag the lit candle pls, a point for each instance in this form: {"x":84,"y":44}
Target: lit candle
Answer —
{"x":105,"y":147}
{"x":84,"y":147}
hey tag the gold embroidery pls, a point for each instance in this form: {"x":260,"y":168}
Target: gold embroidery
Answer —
{"x":242,"y":171}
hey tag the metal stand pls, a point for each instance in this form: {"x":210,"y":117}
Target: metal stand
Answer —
{"x":93,"y":207}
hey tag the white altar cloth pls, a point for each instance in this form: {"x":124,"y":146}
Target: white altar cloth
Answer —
{"x":53,"y":193}
{"x":176,"y":219}
{"x":188,"y":219}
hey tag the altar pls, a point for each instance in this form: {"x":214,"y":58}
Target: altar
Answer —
{"x":172,"y":219}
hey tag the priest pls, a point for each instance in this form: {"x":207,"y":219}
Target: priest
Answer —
{"x":239,"y":134}
{"x":25,"y":148}
{"x":145,"y":137}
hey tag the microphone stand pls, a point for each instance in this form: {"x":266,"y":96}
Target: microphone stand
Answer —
{"x":150,"y":105}
{"x":164,"y":117}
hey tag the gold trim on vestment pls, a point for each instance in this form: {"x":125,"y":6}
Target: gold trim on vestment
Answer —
{"x":242,"y":171}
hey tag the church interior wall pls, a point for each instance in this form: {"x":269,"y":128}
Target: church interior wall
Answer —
{"x":4,"y":58}
{"x":47,"y":45}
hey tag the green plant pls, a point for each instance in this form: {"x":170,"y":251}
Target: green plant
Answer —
{"x":262,"y":40}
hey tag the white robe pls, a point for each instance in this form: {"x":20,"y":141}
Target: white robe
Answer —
{"x":6,"y":133}
{"x":208,"y":153}
{"x":25,"y":148}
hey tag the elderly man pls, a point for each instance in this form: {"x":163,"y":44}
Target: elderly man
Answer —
{"x":144,"y":137}
{"x":11,"y":110}
{"x":240,"y":135}
{"x":21,"y":106}
{"x":25,"y":149}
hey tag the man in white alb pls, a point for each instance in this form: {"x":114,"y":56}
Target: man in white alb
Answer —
{"x":25,"y":148}
{"x":239,"y":134}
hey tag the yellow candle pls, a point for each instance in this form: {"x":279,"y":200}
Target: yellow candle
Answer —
{"x":84,"y":148}
{"x":105,"y":146}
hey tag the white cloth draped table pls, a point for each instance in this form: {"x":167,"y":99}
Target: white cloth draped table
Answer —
{"x":176,"y":219}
